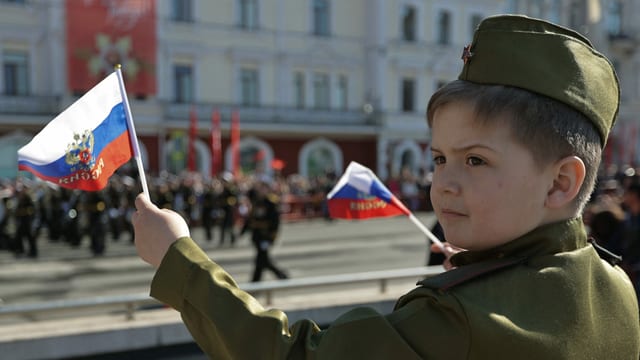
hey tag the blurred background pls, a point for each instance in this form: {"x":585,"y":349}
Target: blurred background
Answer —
{"x":226,"y":93}
{"x":315,"y":83}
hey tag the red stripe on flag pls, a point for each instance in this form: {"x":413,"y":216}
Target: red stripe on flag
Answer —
{"x":363,"y":208}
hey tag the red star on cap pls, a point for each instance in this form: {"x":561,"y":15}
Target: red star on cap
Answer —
{"x":466,"y":54}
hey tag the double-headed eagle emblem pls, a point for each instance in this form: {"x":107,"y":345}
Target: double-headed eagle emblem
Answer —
{"x":80,"y":152}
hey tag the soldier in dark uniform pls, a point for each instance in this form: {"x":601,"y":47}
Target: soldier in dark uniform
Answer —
{"x":71,"y":204}
{"x":127,"y":206}
{"x":264,"y":222}
{"x":56,"y":214}
{"x":25,"y":213}
{"x":115,"y":194}
{"x":6,"y":216}
{"x":189,"y":200}
{"x":517,"y":142}
{"x":227,"y":203}
{"x":96,"y":206}
{"x":208,"y":209}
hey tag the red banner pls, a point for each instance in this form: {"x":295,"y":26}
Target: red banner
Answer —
{"x":104,"y":33}
{"x":235,"y":143}
{"x":216,"y":143}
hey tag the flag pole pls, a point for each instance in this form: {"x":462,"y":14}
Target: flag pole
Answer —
{"x":426,"y":231}
{"x":132,"y":133}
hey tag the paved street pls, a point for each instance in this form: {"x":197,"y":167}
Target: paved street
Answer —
{"x":305,"y":248}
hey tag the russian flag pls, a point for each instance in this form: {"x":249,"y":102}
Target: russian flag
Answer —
{"x":85,"y":144}
{"x":359,"y":194}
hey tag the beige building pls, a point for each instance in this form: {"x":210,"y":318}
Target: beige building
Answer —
{"x":316,"y":83}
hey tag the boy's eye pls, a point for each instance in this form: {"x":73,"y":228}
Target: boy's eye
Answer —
{"x":474,"y":161}
{"x":438,"y":160}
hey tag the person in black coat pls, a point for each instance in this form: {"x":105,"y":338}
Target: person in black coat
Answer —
{"x":264,"y":222}
{"x":25,"y":214}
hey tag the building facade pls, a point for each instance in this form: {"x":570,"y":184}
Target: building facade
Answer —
{"x":315,"y":83}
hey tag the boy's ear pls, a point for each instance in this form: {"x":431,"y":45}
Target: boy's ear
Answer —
{"x":569,"y":173}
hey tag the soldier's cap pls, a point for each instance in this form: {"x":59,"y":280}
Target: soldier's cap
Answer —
{"x":546,"y":59}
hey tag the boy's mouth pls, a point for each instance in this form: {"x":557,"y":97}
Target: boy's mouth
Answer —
{"x":449,"y":213}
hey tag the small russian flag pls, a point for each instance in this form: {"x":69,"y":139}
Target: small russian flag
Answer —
{"x":85,"y":144}
{"x":359,"y":194}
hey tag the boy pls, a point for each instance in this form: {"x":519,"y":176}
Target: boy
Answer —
{"x":516,"y":143}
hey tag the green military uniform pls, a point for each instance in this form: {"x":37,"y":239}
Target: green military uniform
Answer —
{"x":546,"y":295}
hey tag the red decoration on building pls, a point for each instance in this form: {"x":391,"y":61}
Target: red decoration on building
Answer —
{"x":216,"y":143}
{"x":102,"y":34}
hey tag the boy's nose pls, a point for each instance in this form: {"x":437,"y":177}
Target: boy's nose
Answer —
{"x":446,"y":182}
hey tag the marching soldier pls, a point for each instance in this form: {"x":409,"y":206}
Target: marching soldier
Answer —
{"x":25,"y":213}
{"x":264,"y":222}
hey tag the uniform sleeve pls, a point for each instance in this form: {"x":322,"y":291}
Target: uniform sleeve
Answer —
{"x":228,"y":323}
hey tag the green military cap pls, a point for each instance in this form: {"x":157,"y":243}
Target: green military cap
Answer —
{"x":547,"y":59}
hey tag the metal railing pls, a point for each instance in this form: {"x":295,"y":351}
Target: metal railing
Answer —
{"x":140,"y":302}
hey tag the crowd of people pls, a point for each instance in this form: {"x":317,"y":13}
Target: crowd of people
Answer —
{"x":32,"y":210}
{"x":28,"y":207}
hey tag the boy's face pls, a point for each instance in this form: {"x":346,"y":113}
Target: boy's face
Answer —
{"x":486,"y":188}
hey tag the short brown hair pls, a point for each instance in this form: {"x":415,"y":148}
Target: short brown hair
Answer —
{"x":548,"y":128}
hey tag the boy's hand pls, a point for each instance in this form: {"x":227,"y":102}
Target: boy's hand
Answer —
{"x":448,"y":251}
{"x":155,"y":230}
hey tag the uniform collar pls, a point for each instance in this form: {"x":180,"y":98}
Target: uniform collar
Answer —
{"x":552,"y":238}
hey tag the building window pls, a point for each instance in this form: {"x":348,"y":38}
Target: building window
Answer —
{"x":16,"y":74}
{"x":320,"y":161}
{"x":408,"y":95}
{"x":320,"y":157}
{"x":183,"y":83}
{"x":343,"y":92}
{"x":473,"y":23}
{"x":249,"y":94}
{"x":321,"y":17}
{"x":444,"y":27}
{"x":298,"y":90}
{"x":321,"y":91}
{"x":614,"y":18}
{"x":182,"y":10}
{"x":409,"y":23}
{"x":248,"y":14}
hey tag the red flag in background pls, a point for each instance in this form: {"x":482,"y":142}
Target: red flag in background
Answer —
{"x":235,"y":142}
{"x":277,"y":164}
{"x":193,"y":129}
{"x":216,"y":143}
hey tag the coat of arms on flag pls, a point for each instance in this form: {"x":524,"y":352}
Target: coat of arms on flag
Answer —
{"x":80,"y":152}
